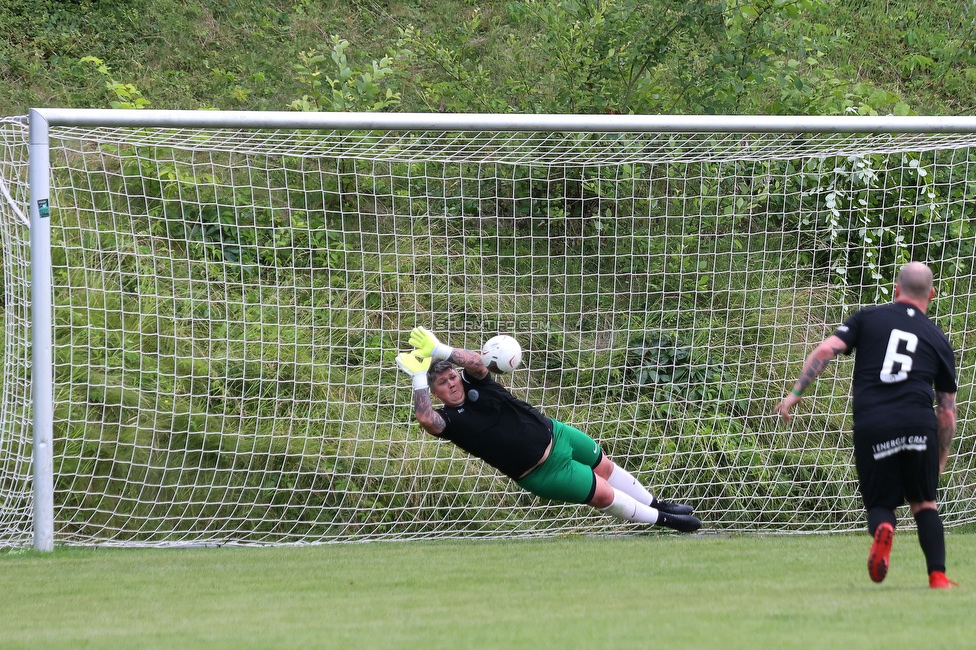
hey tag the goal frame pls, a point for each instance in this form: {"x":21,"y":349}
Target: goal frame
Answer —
{"x":41,"y":119}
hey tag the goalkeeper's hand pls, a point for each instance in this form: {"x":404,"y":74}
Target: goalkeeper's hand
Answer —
{"x":414,"y":366}
{"x":427,"y":345}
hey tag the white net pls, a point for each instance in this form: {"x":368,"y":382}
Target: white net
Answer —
{"x":16,"y":511}
{"x":227,"y":306}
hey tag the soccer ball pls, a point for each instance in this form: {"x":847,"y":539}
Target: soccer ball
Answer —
{"x":501,"y":353}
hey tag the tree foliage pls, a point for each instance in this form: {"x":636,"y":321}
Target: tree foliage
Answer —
{"x":350,"y":89}
{"x":630,"y":56}
{"x":564,"y":56}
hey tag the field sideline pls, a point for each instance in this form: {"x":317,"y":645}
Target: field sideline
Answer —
{"x":809,"y":591}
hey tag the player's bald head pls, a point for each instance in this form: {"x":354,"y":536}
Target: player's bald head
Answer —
{"x":915,"y":281}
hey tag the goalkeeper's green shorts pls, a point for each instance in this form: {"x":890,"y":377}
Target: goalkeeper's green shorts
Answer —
{"x":567,"y":475}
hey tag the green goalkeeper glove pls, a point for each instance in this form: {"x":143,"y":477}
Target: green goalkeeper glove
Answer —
{"x":415,"y":367}
{"x":427,"y":344}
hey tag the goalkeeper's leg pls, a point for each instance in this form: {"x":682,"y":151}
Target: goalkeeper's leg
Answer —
{"x":564,"y":478}
{"x":624,"y":506}
{"x":621,"y":479}
{"x":586,"y":450}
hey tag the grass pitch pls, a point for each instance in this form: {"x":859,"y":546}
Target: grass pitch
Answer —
{"x":629,"y":592}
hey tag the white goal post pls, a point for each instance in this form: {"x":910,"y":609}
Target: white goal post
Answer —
{"x":201,"y":349}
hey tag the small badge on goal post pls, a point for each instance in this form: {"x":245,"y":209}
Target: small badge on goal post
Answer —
{"x":43,"y":209}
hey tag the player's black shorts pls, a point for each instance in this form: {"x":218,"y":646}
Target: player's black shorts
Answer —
{"x":896,"y":466}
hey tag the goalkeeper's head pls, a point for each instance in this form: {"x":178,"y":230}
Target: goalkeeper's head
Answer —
{"x":438,"y":367}
{"x":445,"y":382}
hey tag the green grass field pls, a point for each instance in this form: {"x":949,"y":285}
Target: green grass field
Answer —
{"x":628,"y":592}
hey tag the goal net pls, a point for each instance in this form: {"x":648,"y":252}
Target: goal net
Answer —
{"x":228,"y":303}
{"x":16,"y":506}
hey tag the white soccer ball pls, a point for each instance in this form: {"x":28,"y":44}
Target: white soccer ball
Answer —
{"x":501,"y":353}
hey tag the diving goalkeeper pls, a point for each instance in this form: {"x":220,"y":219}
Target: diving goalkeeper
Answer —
{"x":544,"y":456}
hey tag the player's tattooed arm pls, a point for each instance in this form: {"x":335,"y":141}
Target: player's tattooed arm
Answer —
{"x":812,"y":367}
{"x":945,"y":412}
{"x":471,"y":362}
{"x":818,"y":361}
{"x":429,"y":419}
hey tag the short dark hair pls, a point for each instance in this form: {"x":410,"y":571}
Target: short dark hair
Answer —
{"x":437,"y":368}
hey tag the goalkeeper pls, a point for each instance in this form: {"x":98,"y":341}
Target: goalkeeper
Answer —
{"x":548,"y":458}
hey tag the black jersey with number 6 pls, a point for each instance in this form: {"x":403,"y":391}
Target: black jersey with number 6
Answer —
{"x":901,"y":355}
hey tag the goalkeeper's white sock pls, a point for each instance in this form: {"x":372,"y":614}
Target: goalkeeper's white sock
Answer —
{"x":627,"y":507}
{"x":624,"y":481}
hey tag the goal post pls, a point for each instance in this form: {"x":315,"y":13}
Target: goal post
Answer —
{"x":42,"y":379}
{"x":216,"y":299}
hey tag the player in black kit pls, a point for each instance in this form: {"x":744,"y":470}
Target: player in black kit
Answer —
{"x":901,"y":443}
{"x":546,"y":457}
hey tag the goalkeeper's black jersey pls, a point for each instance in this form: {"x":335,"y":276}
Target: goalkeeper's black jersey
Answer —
{"x":901,"y":355}
{"x":495,"y":426}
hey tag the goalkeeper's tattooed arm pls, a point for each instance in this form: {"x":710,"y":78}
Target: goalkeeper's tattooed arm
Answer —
{"x":428,"y":418}
{"x":417,"y":368}
{"x":471,"y":361}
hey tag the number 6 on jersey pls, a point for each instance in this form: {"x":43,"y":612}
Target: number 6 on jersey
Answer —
{"x":893,"y":356}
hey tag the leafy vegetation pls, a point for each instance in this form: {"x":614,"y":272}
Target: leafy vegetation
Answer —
{"x":581,"y":56}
